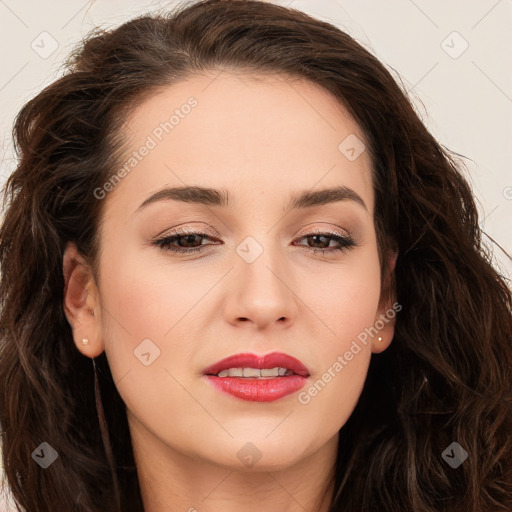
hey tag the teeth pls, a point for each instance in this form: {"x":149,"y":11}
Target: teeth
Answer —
{"x":252,"y":372}
{"x":255,"y":372}
{"x":232,"y":372}
{"x":270,"y":372}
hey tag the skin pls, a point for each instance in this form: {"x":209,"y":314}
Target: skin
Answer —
{"x":262,"y":138}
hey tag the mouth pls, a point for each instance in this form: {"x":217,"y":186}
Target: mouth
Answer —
{"x":258,"y":378}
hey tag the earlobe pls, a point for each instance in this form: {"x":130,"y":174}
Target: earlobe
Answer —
{"x":388,"y":308}
{"x":80,"y":302}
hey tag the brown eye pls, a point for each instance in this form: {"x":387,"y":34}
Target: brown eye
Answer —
{"x":186,"y":242}
{"x":323,"y":240}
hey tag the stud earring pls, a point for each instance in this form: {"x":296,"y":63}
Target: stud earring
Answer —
{"x":380,"y":339}
{"x":85,"y":341}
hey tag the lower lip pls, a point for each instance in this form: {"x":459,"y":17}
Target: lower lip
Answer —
{"x":258,"y":390}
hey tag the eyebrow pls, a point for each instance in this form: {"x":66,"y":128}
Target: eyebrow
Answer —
{"x":214,"y":197}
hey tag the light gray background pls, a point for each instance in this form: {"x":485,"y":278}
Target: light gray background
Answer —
{"x":464,"y":97}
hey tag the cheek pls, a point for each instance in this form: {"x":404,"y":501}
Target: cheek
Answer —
{"x":147,"y":299}
{"x":141,"y":305}
{"x":343,"y":353}
{"x":345,"y":299}
{"x":137,"y":310}
{"x":348,"y":309}
{"x":327,"y":403}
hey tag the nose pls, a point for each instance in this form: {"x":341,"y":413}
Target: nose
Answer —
{"x":262,"y":293}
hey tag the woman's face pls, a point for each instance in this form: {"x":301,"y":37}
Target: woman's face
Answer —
{"x":257,"y":286}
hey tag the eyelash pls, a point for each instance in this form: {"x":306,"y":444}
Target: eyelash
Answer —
{"x":346,"y":242}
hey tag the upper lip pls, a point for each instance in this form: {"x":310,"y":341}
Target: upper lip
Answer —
{"x":266,"y":361}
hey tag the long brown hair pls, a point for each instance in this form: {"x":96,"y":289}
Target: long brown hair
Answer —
{"x":447,"y":375}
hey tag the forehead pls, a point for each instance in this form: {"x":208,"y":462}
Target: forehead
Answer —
{"x":241,"y":131}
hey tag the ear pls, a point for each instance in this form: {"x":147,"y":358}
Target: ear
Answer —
{"x":387,"y":309}
{"x":81,"y":302}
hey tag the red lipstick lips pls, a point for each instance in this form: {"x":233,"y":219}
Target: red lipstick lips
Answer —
{"x":258,"y":378}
